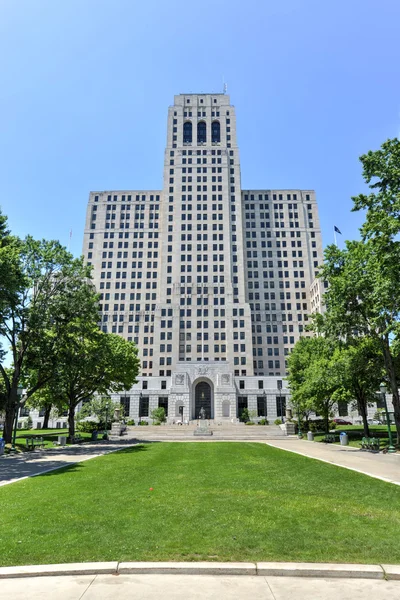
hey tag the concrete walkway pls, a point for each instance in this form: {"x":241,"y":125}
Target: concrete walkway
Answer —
{"x":15,"y":467}
{"x":195,"y":587}
{"x":380,"y":466}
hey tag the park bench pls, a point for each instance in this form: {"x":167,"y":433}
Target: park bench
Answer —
{"x":77,"y":439}
{"x":370,"y":443}
{"x":34,"y":442}
{"x":330,"y":438}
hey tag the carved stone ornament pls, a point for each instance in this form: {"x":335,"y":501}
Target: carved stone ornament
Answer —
{"x":180,"y":379}
{"x":225,"y":379}
{"x":202,"y":370}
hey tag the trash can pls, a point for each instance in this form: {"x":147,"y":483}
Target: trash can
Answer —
{"x":94,"y":435}
{"x":2,"y":445}
{"x":344,"y":438}
{"x":310,"y":436}
{"x":62,"y":440}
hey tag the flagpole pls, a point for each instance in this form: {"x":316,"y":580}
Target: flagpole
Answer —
{"x":334,"y":233}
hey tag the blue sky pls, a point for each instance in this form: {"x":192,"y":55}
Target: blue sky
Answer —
{"x":85,"y":86}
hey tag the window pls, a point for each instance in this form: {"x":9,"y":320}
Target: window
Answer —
{"x":187,"y":133}
{"x":144,"y":406}
{"x":125,"y":405}
{"x":242,"y":404}
{"x":343,"y":408}
{"x":201,"y":132}
{"x":280,"y":405}
{"x":261,"y":406}
{"x":215,"y":132}
{"x":163,"y":403}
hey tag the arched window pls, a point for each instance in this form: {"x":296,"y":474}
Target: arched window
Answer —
{"x":201,"y":132}
{"x":215,"y":132}
{"x":187,"y":133}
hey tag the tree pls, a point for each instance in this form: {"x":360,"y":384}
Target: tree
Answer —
{"x":381,"y":171}
{"x":36,"y":275}
{"x":100,"y":407}
{"x":359,"y":367}
{"x":89,"y":362}
{"x":312,"y":378}
{"x":363,"y":300}
{"x":43,"y":399}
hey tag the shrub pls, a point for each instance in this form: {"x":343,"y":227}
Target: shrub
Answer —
{"x":278,"y":422}
{"x":245,"y":417}
{"x":319,"y":425}
{"x":263,"y":422}
{"x":88,"y":426}
{"x":130,"y":422}
{"x":158,"y":415}
{"x":143,"y":423}
{"x":249,"y":423}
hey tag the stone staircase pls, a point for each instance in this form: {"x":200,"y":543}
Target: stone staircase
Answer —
{"x":224,"y":431}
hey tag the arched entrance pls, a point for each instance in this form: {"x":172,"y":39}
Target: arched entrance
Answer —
{"x":203,"y":399}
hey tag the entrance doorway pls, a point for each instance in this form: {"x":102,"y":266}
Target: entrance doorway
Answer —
{"x":203,"y":400}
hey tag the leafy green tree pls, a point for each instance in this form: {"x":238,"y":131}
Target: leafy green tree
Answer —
{"x":89,"y":362}
{"x":359,"y":367}
{"x":38,"y":273}
{"x":43,"y":399}
{"x":100,"y":407}
{"x":381,"y":171}
{"x":363,"y":300}
{"x":312,"y":377}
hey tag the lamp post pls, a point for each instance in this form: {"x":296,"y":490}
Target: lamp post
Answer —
{"x":105,"y":433}
{"x":299,"y":433}
{"x":279,"y":384}
{"x":265,"y":404}
{"x":383,"y":390}
{"x":17,"y":406}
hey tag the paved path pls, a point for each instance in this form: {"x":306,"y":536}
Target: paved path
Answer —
{"x":28,"y":464}
{"x":195,"y":587}
{"x":380,"y":466}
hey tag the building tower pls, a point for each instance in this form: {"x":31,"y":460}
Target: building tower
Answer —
{"x":211,"y":282}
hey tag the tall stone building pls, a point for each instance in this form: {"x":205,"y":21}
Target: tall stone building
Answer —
{"x":212,"y":282}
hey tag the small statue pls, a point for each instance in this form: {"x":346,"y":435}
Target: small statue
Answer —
{"x":202,"y":414}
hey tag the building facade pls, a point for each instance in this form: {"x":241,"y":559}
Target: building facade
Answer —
{"x":211,"y":282}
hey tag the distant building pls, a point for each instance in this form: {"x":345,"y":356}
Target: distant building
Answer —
{"x":212,"y":282}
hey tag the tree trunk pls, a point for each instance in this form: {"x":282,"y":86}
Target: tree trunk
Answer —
{"x":362,"y":407}
{"x":11,"y":405}
{"x":47,"y":412}
{"x":71,"y":422}
{"x":326,"y":417}
{"x":391,"y":374}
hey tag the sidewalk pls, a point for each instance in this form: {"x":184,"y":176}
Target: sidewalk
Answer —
{"x":15,"y":467}
{"x":195,"y":587}
{"x":380,"y":466}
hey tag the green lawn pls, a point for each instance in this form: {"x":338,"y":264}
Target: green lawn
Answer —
{"x":49,"y":437}
{"x":210,"y":501}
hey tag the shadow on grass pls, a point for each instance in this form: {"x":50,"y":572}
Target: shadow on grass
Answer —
{"x":78,"y":466}
{"x":37,"y":464}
